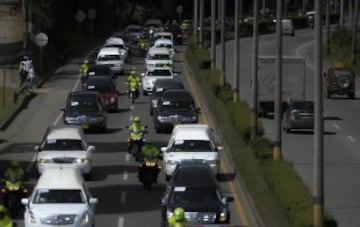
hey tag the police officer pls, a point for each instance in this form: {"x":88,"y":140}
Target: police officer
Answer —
{"x":177,"y":218}
{"x":5,"y":220}
{"x":14,"y":169}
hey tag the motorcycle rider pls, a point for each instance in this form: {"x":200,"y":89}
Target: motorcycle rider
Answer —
{"x":5,"y":220}
{"x":149,"y":152}
{"x":178,"y":217}
{"x":133,"y":81}
{"x":84,"y":69}
{"x":143,"y":44}
{"x":136,"y":129}
{"x":14,"y":170}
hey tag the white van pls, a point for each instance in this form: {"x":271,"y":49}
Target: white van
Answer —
{"x":60,"y":198}
{"x":288,"y":27}
{"x":191,"y":142}
{"x":111,"y":56}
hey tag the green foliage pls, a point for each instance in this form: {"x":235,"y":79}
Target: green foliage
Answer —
{"x":341,"y":37}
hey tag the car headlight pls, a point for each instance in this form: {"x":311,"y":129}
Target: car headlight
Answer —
{"x":223,"y":216}
{"x":82,"y":160}
{"x":169,"y":213}
{"x":162,"y":118}
{"x":32,"y":218}
{"x":194,"y":118}
{"x":44,"y":160}
{"x":212,"y":162}
{"x":84,"y":219}
{"x":118,"y":65}
{"x":70,"y":118}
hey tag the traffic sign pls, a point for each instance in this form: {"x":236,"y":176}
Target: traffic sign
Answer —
{"x":80,"y":16}
{"x":41,"y":39}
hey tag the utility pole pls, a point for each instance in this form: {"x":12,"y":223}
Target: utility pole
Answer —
{"x":201,"y":25}
{"x":195,"y":19}
{"x":354,"y":33}
{"x":263,"y":8}
{"x":350,"y":13}
{"x":318,"y":197}
{"x":327,"y":21}
{"x":212,"y":41}
{"x":254,"y":79}
{"x":278,"y":84}
{"x":236,"y":54}
{"x":222,"y":76}
{"x":341,"y":13}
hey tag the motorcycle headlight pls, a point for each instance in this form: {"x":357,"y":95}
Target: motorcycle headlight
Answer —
{"x":84,"y":219}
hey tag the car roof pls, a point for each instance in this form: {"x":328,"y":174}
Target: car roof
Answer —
{"x":191,"y":131}
{"x":162,"y":40}
{"x":115,"y":40}
{"x":60,"y":178}
{"x":65,"y":132}
{"x":176,"y":95}
{"x":159,"y":50}
{"x":193,"y":174}
{"x":109,"y":50}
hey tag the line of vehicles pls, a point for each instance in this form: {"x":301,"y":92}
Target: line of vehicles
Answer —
{"x":191,"y":160}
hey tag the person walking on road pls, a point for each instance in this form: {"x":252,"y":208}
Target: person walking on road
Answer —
{"x":22,"y":70}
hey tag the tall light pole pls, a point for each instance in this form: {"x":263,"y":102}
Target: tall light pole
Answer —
{"x":254,"y":79}
{"x":341,"y":14}
{"x":327,"y":22}
{"x":222,"y":76}
{"x":201,"y":24}
{"x":318,"y":190}
{"x":212,"y":41}
{"x":236,"y":54}
{"x":195,"y":19}
{"x":278,"y":84}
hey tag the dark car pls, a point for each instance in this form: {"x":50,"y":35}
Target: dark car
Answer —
{"x":194,"y":188}
{"x":99,"y":70}
{"x":299,"y":115}
{"x":85,"y":108}
{"x":160,"y":86}
{"x":177,"y":32}
{"x":340,"y":80}
{"x":106,"y":87}
{"x":175,"y":106}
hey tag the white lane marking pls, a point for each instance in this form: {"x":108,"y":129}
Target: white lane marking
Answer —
{"x":352,"y":139}
{"x":125,"y":175}
{"x":127,"y":157}
{"x":33,"y":160}
{"x":337,"y":126}
{"x":121,"y":222}
{"x":123,"y":197}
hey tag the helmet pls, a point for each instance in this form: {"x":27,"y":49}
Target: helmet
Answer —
{"x":132,"y":72}
{"x":2,"y":208}
{"x":179,"y":214}
{"x":86,"y":61}
{"x":14,"y":163}
{"x":136,"y":119}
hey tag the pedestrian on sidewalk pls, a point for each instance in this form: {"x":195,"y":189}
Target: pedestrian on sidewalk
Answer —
{"x":31,"y":77}
{"x":22,"y":70}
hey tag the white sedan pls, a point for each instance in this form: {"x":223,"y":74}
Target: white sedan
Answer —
{"x":150,"y":76}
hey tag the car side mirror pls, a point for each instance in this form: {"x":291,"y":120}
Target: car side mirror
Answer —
{"x":24,"y":201}
{"x":93,"y":200}
{"x":163,"y":149}
{"x":91,"y":148}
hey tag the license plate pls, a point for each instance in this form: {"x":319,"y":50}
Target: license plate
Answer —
{"x":85,"y":126}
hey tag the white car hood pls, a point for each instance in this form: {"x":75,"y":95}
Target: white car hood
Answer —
{"x":44,"y":210}
{"x":61,"y":154}
{"x":191,"y":155}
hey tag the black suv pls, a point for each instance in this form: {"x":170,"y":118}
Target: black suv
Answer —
{"x":340,"y":80}
{"x":194,"y":188}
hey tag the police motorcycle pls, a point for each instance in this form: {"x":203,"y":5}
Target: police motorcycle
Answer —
{"x":133,"y":91}
{"x":136,"y":141}
{"x":12,"y":193}
{"x":148,"y":172}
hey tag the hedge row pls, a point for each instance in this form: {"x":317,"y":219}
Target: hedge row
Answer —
{"x":277,"y":191}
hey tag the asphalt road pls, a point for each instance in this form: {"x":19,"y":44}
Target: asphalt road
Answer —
{"x":341,"y":127}
{"x":122,"y":199}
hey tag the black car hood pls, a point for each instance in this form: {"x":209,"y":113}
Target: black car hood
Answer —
{"x":198,"y":207}
{"x":80,"y":113}
{"x":180,"y":112}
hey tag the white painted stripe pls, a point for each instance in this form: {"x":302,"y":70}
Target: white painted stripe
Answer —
{"x":125,"y":175}
{"x":121,"y":222}
{"x":337,"y":126}
{"x":127,"y":157}
{"x":123,"y":197}
{"x":352,"y":139}
{"x":33,"y":160}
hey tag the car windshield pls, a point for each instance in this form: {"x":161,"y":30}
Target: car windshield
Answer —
{"x":343,"y":73}
{"x":159,"y":57}
{"x":109,"y":57}
{"x":176,"y":105}
{"x":191,"y":146}
{"x":62,"y":145}
{"x":120,"y":46}
{"x":159,"y":73}
{"x":84,"y":105}
{"x":195,"y":195}
{"x":167,"y":45}
{"x":44,"y":196}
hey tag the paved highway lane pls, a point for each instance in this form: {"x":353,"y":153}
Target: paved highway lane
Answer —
{"x":122,"y":200}
{"x":341,"y":138}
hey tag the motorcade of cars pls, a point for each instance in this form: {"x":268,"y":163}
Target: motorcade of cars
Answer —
{"x":65,"y":145}
{"x":175,"y":106}
{"x":85,"y":108}
{"x":166,"y":43}
{"x":188,"y":142}
{"x":111,"y":56}
{"x":195,"y":188}
{"x":159,"y":87}
{"x":119,"y":43}
{"x":299,"y":115}
{"x":106,"y":87}
{"x":158,"y":57}
{"x":149,"y":77}
{"x":339,"y":80}
{"x":60,"y":198}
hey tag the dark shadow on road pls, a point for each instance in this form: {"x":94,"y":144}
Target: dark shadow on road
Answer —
{"x":332,"y":118}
